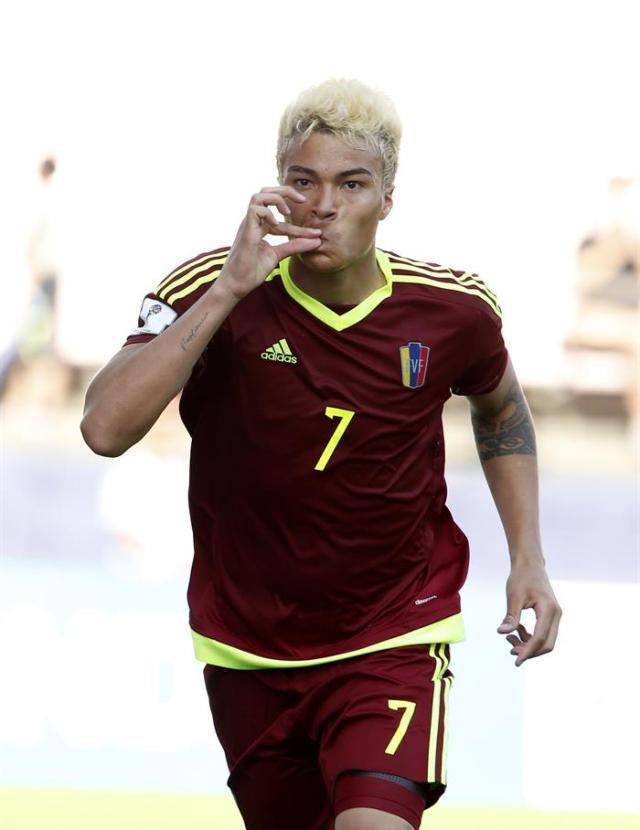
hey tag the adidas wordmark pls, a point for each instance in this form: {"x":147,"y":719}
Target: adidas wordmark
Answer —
{"x":279,"y":352}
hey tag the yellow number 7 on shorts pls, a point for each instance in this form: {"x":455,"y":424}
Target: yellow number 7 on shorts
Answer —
{"x":409,"y":708}
{"x":345,"y":416}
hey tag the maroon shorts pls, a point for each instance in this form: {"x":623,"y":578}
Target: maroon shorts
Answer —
{"x":292,"y":737}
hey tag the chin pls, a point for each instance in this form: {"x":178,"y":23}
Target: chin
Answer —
{"x":319,"y":260}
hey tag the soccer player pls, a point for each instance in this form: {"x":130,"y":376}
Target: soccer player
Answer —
{"x":324,"y":593}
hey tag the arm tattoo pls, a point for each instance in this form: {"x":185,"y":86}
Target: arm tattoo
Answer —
{"x":185,"y":341}
{"x":508,"y":432}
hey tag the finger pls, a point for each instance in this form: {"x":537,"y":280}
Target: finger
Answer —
{"x":513,"y":640}
{"x":277,"y":197}
{"x":262,"y":199}
{"x":263,"y":216}
{"x":524,"y":634}
{"x":532,"y":648}
{"x":270,"y":225}
{"x":287,"y":229}
{"x":535,"y":643}
{"x":516,"y":652}
{"x":511,"y":620}
{"x":286,"y":190}
{"x":555,"y":627}
{"x":295,"y":246}
{"x":550,"y":642}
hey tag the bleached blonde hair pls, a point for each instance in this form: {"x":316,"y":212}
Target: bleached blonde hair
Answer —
{"x":357,"y":113}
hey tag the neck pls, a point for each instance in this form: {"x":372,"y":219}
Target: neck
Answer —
{"x":349,"y":286}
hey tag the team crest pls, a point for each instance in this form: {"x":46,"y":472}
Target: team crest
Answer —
{"x":413,"y":362}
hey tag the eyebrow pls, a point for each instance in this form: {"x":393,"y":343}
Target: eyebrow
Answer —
{"x":356,"y":171}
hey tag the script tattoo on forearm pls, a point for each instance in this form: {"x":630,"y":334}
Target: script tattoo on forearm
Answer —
{"x":508,"y":432}
{"x":185,"y":341}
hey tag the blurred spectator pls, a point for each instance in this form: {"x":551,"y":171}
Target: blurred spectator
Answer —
{"x":604,"y":343}
{"x":30,"y":370}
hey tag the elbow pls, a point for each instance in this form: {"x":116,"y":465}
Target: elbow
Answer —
{"x":99,"y":440}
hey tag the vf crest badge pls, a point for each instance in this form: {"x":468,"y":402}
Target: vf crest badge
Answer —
{"x":413,"y":362}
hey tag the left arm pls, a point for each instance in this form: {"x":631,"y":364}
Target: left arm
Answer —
{"x":506,"y":443}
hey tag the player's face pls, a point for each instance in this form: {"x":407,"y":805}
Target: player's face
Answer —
{"x":343,"y":188}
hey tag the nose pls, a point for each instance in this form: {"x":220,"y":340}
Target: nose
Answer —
{"x":325,"y":202}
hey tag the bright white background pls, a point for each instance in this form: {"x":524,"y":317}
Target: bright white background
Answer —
{"x":163,"y":116}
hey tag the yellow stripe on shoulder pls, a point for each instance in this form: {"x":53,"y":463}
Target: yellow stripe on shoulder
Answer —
{"x":192,"y":286}
{"x":472,"y":280}
{"x":208,"y":267}
{"x":186,"y":267}
{"x":432,"y":266}
{"x":449,"y":286}
{"x":425,"y":270}
{"x":171,"y":295}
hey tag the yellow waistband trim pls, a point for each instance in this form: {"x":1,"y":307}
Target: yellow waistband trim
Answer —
{"x":448,"y":630}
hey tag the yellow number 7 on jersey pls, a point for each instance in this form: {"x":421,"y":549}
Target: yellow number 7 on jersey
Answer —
{"x":345,"y":415}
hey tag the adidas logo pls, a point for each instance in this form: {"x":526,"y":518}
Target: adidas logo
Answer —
{"x":279,"y":352}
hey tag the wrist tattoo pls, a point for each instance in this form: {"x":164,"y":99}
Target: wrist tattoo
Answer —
{"x":508,"y":432}
{"x":185,"y":341}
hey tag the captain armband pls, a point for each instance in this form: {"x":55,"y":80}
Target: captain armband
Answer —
{"x":156,"y":316}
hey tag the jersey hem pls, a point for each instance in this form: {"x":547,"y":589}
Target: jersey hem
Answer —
{"x":215,"y":652}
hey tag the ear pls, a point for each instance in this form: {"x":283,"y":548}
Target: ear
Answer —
{"x":387,"y":204}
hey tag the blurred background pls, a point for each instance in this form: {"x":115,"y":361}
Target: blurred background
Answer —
{"x":134,"y":134}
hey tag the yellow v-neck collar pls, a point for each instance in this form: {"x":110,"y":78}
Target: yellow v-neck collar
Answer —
{"x":336,"y":321}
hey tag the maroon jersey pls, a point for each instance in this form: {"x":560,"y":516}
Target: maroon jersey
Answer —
{"x":317,"y":492}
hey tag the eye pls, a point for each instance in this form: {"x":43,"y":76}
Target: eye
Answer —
{"x":301,"y":182}
{"x":358,"y":185}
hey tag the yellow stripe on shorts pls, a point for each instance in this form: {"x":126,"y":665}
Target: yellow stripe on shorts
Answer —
{"x":439,"y":654}
{"x":445,"y":738}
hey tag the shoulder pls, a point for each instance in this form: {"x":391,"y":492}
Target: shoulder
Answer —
{"x":186,"y":283}
{"x":454,"y":287}
{"x":176,"y":293}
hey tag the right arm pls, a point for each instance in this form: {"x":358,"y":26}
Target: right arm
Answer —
{"x":126,"y":398}
{"x":128,"y":395}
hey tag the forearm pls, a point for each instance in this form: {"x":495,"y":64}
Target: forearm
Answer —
{"x":506,"y":441}
{"x":506,"y":444}
{"x":126,"y":398}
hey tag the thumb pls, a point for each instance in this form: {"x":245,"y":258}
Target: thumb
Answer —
{"x":511,"y":620}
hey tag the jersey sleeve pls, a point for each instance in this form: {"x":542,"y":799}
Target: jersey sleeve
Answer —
{"x":176,"y":293}
{"x":488,"y":355}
